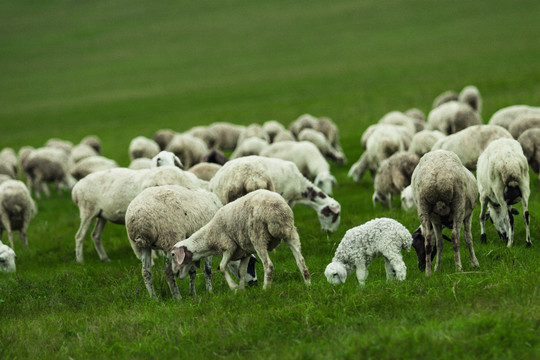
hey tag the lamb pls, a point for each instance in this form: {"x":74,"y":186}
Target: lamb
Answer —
{"x":166,"y":158}
{"x":522,"y":124}
{"x":205,"y":171}
{"x":105,"y":195}
{"x":469,"y":143}
{"x":393,"y":176}
{"x":17,"y":208}
{"x":530,"y":143}
{"x":384,"y":141}
{"x":163,"y":137}
{"x":378,"y":237}
{"x":158,"y":218}
{"x":188,"y":148}
{"x":445,"y":194}
{"x":322,"y":143}
{"x":93,"y":164}
{"x":249,"y":146}
{"x":503,"y":180}
{"x":8,"y":163}
{"x":307,"y":158}
{"x":254,"y":223}
{"x":142,"y":146}
{"x":214,"y":156}
{"x":93,"y":141}
{"x":7,"y":259}
{"x":505,"y":116}
{"x":272,"y":128}
{"x":241,"y":176}
{"x":423,"y":141}
{"x":226,"y":134}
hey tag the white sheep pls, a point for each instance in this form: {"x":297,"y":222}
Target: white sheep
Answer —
{"x":205,"y":134}
{"x":17,"y":208}
{"x":105,"y":196}
{"x":330,"y":130}
{"x":322,"y":143}
{"x":378,"y":237}
{"x":249,"y":146}
{"x":7,"y":259}
{"x":307,"y":158}
{"x":161,"y":216}
{"x":471,"y":95}
{"x":404,"y":132}
{"x":400,"y":119}
{"x":530,"y":143}
{"x":65,"y":145}
{"x":226,"y":134}
{"x":8,"y":163}
{"x":79,"y":152}
{"x":205,"y":170}
{"x":284,"y":135}
{"x":166,"y":158}
{"x":505,"y":116}
{"x":140,"y":163}
{"x":241,"y":176}
{"x":445,"y":193}
{"x":407,"y":198}
{"x":93,"y":141}
{"x":447,"y":96}
{"x":470,"y":142}
{"x":251,"y":131}
{"x":304,"y":121}
{"x":142,"y":146}
{"x":423,"y":141}
{"x":163,"y":137}
{"x":272,"y":128}
{"x":522,"y":124}
{"x":188,"y":148}
{"x":92,"y":164}
{"x":417,"y":114}
{"x":393,"y":176}
{"x":503,"y":180}
{"x":215,"y":156}
{"x":253,"y":224}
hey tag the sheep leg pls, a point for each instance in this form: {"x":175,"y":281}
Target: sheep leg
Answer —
{"x":86,"y":221}
{"x":467,"y":234}
{"x":527,"y":221}
{"x":96,"y":237}
{"x":395,"y":267}
{"x":426,"y":225}
{"x":223,"y":268}
{"x":483,"y":212}
{"x":361,"y":273}
{"x":267,"y":266}
{"x":170,"y":278}
{"x":45,"y":188}
{"x":192,"y":275}
{"x":439,"y":242}
{"x":37,"y":186}
{"x":242,"y":270}
{"x":456,"y":227}
{"x":146,"y":259}
{"x":6,"y":224}
{"x":208,"y":274}
{"x":390,"y":275}
{"x":294,"y":245}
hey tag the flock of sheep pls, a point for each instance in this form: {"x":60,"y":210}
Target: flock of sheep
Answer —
{"x":182,"y":198}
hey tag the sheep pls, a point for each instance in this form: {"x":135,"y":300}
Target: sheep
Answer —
{"x":166,"y":158}
{"x":93,"y":141}
{"x":505,"y":116}
{"x":249,"y":146}
{"x":188,"y":148}
{"x":226,"y":134}
{"x":254,"y":223}
{"x":401,"y":119}
{"x":322,"y":143}
{"x":407,"y":198}
{"x":142,"y":146}
{"x":272,"y":128}
{"x":452,"y":117}
{"x":521,"y":124}
{"x":469,"y":143}
{"x":503,"y":180}
{"x":405,"y":133}
{"x":105,"y":195}
{"x":92,"y":164}
{"x":80,"y":152}
{"x":423,"y":141}
{"x":445,"y":97}
{"x":65,"y":145}
{"x":205,"y":171}
{"x":530,"y":143}
{"x":471,"y":95}
{"x":393,"y":176}
{"x":378,"y":237}
{"x":163,"y":137}
{"x":214,"y":156}
{"x":284,"y":135}
{"x":158,"y":218}
{"x":46,"y":165}
{"x":253,"y":130}
{"x":241,"y":176}
{"x":384,"y":141}
{"x":445,"y":194}
{"x":302,"y":122}
{"x":140,"y":163}
{"x":8,"y":163}
{"x":418,"y":115}
{"x":7,"y":259}
{"x":205,"y":134}
{"x":16,"y":209}
{"x":307,"y":158}
{"x":330,"y":130}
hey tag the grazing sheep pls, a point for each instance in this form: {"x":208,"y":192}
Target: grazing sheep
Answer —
{"x":469,"y":143}
{"x":93,"y":141}
{"x":205,"y":134}
{"x":451,"y":117}
{"x":226,"y":134}
{"x":445,"y":97}
{"x":166,"y":158}
{"x":241,"y":176}
{"x":503,"y":180}
{"x":214,"y":156}
{"x":303,"y":122}
{"x":65,"y":145}
{"x":307,"y":158}
{"x":188,"y":148}
{"x":284,"y":135}
{"x":93,"y":164}
{"x":378,"y":237}
{"x":205,"y":170}
{"x":330,"y":130}
{"x":158,"y":218}
{"x":471,"y":95}
{"x":393,"y":176}
{"x":384,"y":141}
{"x":143,"y":147}
{"x":417,"y":114}
{"x":505,"y":116}
{"x":445,"y":194}
{"x":140,"y":163}
{"x":7,"y":259}
{"x":405,"y":133}
{"x":407,"y":198}
{"x":80,"y":152}
{"x":105,"y":195}
{"x":254,"y":223}
{"x":400,"y":119}
{"x":251,"y":131}
{"x":530,"y":143}
{"x":249,"y":146}
{"x":163,"y":137}
{"x":322,"y":143}
{"x":272,"y":128}
{"x":423,"y":141}
{"x":522,"y":124}
{"x":16,"y":209}
{"x":8,"y":163}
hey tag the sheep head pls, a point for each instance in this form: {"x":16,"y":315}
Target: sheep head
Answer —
{"x":182,"y":261}
{"x":335,"y":273}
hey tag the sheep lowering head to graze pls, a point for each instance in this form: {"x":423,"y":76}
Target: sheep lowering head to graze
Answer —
{"x":7,"y":259}
{"x":92,"y":164}
{"x":507,"y":115}
{"x":393,"y":176}
{"x":166,"y":158}
{"x":503,"y":180}
{"x":322,"y":143}
{"x":379,"y":237}
{"x":8,"y":163}
{"x":205,"y":134}
{"x":522,"y":124}
{"x":226,"y":134}
{"x":249,"y":146}
{"x":143,"y":147}
{"x":253,"y":224}
{"x":445,"y":193}
{"x":530,"y":143}
{"x":272,"y":128}
{"x":163,"y":137}
{"x":423,"y":141}
{"x":17,"y":208}
{"x":447,"y":96}
{"x":214,"y":156}
{"x":188,"y":148}
{"x":93,"y":141}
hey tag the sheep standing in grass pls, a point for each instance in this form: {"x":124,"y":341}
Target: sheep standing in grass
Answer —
{"x":379,"y":237}
{"x":507,"y":115}
{"x":188,"y":148}
{"x":143,"y":147}
{"x":522,"y":124}
{"x":161,"y":216}
{"x":423,"y":141}
{"x":17,"y":208}
{"x":503,"y":180}
{"x":445,"y":193}
{"x":254,"y":224}
{"x":79,"y":152}
{"x":400,"y":119}
{"x":530,"y":143}
{"x":322,"y":143}
{"x":8,"y":163}
{"x":93,"y":164}
{"x":284,"y":135}
{"x":393,"y":176}
{"x":226,"y":134}
{"x":7,"y":259}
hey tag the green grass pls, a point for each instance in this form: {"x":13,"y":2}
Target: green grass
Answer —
{"x":119,"y":69}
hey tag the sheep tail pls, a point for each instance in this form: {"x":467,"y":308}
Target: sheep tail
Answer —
{"x":252,"y":184}
{"x":441,"y":208}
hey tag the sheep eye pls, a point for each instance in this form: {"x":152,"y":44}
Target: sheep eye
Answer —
{"x":173,"y":255}
{"x":335,"y":275}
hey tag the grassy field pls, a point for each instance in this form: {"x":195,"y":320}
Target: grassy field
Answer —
{"x":119,"y":69}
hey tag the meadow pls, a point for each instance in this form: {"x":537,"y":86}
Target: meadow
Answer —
{"x":118,"y":69}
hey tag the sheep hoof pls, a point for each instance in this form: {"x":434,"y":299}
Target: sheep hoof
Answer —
{"x":528,"y":245}
{"x":483,"y":238}
{"x":106,"y":260}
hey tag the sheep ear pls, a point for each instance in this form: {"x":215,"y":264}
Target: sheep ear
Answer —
{"x":179,"y":254}
{"x":178,"y":163}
